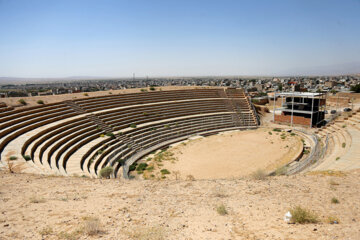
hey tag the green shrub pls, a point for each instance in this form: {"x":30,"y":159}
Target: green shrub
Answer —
{"x":110,"y":92}
{"x":106,"y":172}
{"x":12,"y":158}
{"x":270,"y":133}
{"x":102,"y":135}
{"x":40,"y":102}
{"x":85,"y":94}
{"x":152,"y":88}
{"x":22,"y":101}
{"x":27,"y":157}
{"x":343,"y":145}
{"x":221,"y":210}
{"x":110,"y":134}
{"x":335,"y":200}
{"x":292,"y":134}
{"x":277,"y":130}
{"x":337,"y":158}
{"x":132,"y":166}
{"x":121,"y":161}
{"x":143,"y":90}
{"x":133,"y":125}
{"x":302,"y":215}
{"x":164,"y":171}
{"x":141,"y":167}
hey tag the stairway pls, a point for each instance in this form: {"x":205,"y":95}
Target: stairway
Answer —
{"x":97,"y":121}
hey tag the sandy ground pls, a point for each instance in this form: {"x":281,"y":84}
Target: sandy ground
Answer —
{"x":32,"y":101}
{"x":234,"y":154}
{"x":47,"y":207}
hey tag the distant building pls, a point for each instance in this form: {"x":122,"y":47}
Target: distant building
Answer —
{"x":301,"y":108}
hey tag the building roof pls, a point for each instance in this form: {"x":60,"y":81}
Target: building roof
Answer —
{"x":300,"y":94}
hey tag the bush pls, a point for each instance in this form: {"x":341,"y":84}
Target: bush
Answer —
{"x":133,"y":125}
{"x":143,"y":90}
{"x":110,"y":134}
{"x":152,"y":88}
{"x":277,"y":130}
{"x":102,"y":135}
{"x":121,"y":161}
{"x":141,"y":167}
{"x":106,"y":172}
{"x":335,"y":200}
{"x":302,"y":215}
{"x":343,"y":145}
{"x":40,"y":102}
{"x":221,"y":210}
{"x":132,"y":166}
{"x":13,"y":158}
{"x":27,"y":157}
{"x":164,"y":171}
{"x":259,"y":175}
{"x":270,"y":133}
{"x":22,"y":101}
{"x":85,"y":94}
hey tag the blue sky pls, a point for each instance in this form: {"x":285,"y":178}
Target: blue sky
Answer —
{"x":53,"y":38}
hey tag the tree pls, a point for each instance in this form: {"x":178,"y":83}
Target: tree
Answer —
{"x":355,"y":88}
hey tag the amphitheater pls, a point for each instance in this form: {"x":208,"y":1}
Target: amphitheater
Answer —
{"x":212,"y":135}
{"x":84,"y":135}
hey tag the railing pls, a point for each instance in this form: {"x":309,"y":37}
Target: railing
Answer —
{"x":316,"y":153}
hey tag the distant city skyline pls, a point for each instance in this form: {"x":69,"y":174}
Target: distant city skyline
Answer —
{"x":59,"y":39}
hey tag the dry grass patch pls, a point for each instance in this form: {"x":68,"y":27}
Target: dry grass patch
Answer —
{"x":35,"y":199}
{"x":92,"y":226}
{"x":328,"y":173}
{"x":334,"y":200}
{"x":303,"y":215}
{"x":333,"y":183}
{"x":46,"y":231}
{"x":149,"y":233}
{"x":259,"y":175}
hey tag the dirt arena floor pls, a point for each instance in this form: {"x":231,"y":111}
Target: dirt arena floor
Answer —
{"x":228,"y":155}
{"x":49,"y":207}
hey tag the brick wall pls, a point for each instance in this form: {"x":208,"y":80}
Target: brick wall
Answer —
{"x":296,"y":119}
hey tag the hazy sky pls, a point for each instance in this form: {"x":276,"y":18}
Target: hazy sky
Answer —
{"x":60,"y":38}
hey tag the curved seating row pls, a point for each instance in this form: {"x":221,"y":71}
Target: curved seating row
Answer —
{"x":58,"y":134}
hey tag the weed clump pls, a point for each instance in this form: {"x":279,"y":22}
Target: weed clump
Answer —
{"x":106,"y":172}
{"x":302,"y":215}
{"x":164,"y":171}
{"x":334,"y":200}
{"x":22,"y":102}
{"x":92,"y":226}
{"x":221,"y":209}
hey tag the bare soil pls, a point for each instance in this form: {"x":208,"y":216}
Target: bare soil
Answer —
{"x":49,"y":207}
